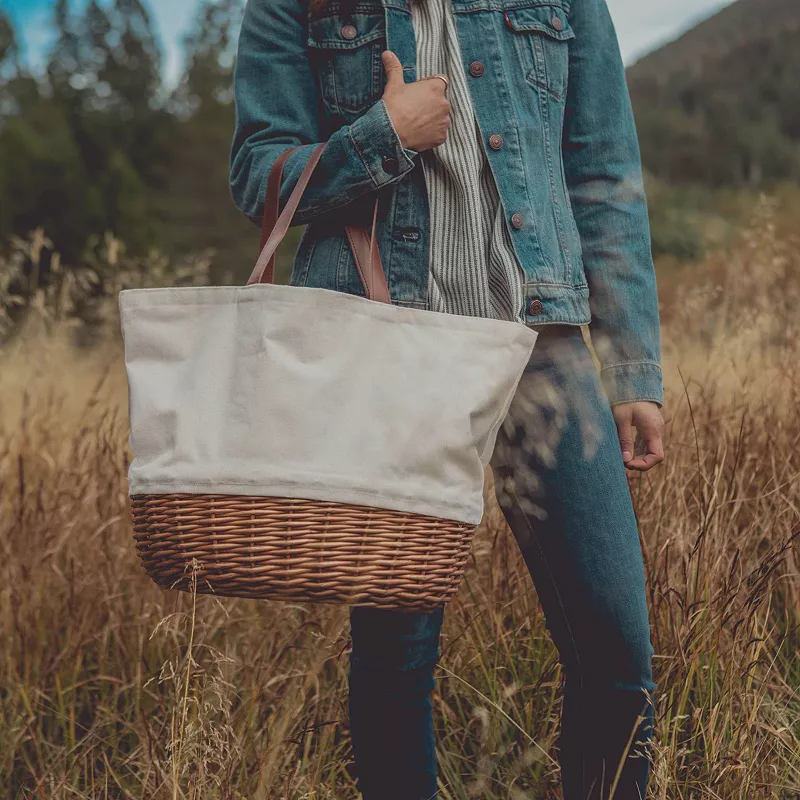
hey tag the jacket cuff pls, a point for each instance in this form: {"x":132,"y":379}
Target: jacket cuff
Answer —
{"x":377,"y":143}
{"x":631,"y":383}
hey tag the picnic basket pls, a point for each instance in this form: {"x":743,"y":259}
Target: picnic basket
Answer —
{"x":303,"y":444}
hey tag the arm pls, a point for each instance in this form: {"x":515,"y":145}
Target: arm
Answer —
{"x":277,"y":107}
{"x":604,"y":177}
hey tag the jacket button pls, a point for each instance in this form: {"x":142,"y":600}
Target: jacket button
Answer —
{"x":391,"y":165}
{"x":517,"y":221}
{"x":476,"y":69}
{"x":495,"y":141}
{"x":349,"y":31}
{"x":557,"y":23}
{"x":535,"y":307}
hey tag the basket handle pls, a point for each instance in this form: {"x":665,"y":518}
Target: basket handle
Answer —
{"x":274,"y":227}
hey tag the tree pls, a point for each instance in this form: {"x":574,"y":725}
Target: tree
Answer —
{"x":105,"y":76}
{"x":196,"y":208}
{"x":98,"y":145}
{"x":8,"y":41}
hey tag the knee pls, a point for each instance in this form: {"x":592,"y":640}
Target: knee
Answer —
{"x":636,"y":658}
{"x":385,"y":639}
{"x":624,"y":662}
{"x":607,"y":655}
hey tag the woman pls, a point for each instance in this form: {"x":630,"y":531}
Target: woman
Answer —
{"x":499,"y":137}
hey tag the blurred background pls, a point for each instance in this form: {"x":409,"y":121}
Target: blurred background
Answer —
{"x":116,"y":118}
{"x":115,"y":125}
{"x":113,"y":120}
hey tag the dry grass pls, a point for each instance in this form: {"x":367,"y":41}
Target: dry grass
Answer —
{"x":111,"y":688}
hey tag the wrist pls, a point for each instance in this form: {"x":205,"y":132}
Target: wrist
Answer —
{"x":376,"y":141}
{"x":398,"y":132}
{"x":634,"y":382}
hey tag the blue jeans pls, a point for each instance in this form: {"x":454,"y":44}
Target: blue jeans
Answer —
{"x":561,"y":485}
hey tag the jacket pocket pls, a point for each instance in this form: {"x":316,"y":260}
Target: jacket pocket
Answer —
{"x":346,"y":54}
{"x":543,"y":36}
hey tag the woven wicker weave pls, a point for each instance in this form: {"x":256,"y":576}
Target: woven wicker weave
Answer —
{"x":280,"y":548}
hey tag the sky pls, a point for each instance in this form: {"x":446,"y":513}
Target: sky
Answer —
{"x":641,"y":25}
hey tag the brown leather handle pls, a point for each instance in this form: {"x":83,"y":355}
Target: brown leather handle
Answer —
{"x":274,"y":180}
{"x":274,"y":227}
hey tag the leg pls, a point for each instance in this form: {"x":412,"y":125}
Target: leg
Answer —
{"x":570,"y":510}
{"x":391,"y":718}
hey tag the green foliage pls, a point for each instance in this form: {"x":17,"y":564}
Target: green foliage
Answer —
{"x":8,"y":43}
{"x":688,"y":221}
{"x":194,"y":203}
{"x":718,"y":116}
{"x":721,"y":106}
{"x":99,"y":144}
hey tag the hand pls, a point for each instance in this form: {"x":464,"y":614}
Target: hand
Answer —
{"x":649,"y":447}
{"x":419,"y":111}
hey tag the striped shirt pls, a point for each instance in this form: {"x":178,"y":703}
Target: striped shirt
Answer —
{"x":473,"y":268}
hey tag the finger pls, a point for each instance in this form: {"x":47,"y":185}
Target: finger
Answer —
{"x":624,"y":421}
{"x":652,"y":447}
{"x":644,"y":463}
{"x":393,"y":68}
{"x":439,"y":81}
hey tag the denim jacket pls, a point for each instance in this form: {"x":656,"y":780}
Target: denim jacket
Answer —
{"x":546,"y":75}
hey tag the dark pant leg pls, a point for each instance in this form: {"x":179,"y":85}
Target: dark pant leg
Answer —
{"x":562,"y":486}
{"x":391,"y":678}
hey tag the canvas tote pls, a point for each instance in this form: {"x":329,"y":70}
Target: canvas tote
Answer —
{"x":271,"y":391}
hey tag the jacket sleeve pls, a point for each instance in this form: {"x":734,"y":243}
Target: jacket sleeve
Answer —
{"x":603,"y":170}
{"x":277,"y":107}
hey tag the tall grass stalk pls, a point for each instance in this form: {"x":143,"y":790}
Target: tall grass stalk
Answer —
{"x":113,"y":688}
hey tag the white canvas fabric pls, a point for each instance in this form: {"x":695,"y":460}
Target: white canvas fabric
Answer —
{"x":284,"y":391}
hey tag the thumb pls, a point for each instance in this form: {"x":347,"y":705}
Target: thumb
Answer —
{"x":624,"y":419}
{"x":393,"y":67}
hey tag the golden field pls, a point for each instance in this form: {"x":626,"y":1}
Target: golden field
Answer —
{"x":113,"y":688}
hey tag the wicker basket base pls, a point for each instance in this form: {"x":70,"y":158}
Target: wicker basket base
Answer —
{"x":301,"y":550}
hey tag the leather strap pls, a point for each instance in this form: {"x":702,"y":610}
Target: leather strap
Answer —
{"x":264,"y":270}
{"x":274,"y":227}
{"x":274,"y":181}
{"x":368,"y":260}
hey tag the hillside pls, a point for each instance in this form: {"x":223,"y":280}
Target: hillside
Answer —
{"x":721,"y":104}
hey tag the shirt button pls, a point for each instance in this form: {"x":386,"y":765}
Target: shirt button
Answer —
{"x":495,"y":141}
{"x":517,"y":221}
{"x":557,"y":23}
{"x":476,"y":69}
{"x":391,"y":165}
{"x":349,"y":31}
{"x":535,"y":308}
